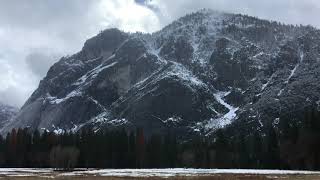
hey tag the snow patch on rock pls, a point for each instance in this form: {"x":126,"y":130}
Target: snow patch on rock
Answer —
{"x":186,"y":75}
{"x":70,"y":95}
{"x":296,"y":67}
{"x":93,"y":73}
{"x":225,"y":119}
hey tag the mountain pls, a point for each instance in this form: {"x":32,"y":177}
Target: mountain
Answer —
{"x":6,"y":113}
{"x":207,"y":70}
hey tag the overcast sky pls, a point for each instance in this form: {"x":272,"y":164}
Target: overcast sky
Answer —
{"x":35,"y":33}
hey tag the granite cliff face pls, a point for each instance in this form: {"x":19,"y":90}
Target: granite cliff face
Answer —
{"x":6,"y":114}
{"x":205,"y":71}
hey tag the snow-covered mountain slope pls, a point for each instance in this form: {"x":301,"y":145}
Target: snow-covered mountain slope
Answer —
{"x":205,"y":71}
{"x":6,"y":113}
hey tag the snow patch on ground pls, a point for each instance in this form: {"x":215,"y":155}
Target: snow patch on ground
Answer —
{"x":136,"y":173}
{"x":25,"y":172}
{"x":181,"y":172}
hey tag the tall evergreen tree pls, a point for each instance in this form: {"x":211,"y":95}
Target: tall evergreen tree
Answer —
{"x":272,"y":157}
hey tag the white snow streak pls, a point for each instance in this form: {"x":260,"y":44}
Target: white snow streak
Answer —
{"x":185,"y":74}
{"x":77,"y":92}
{"x":280,"y":92}
{"x":70,"y":95}
{"x":266,"y":84}
{"x":173,"y":120}
{"x":93,"y":73}
{"x":226,"y":118}
{"x":296,"y":67}
{"x":292,"y":73}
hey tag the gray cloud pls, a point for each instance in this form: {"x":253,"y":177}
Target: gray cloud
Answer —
{"x":34,"y":32}
{"x":287,"y":11}
{"x":40,"y":62}
{"x":31,"y":32}
{"x":42,"y":12}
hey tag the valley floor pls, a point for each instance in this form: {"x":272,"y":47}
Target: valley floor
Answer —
{"x":189,"y":174}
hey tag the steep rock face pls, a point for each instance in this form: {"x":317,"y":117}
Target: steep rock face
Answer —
{"x":6,"y":114}
{"x":204,"y":71}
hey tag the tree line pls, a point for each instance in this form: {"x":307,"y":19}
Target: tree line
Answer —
{"x":289,"y":145}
